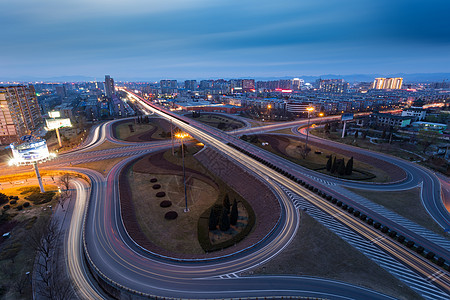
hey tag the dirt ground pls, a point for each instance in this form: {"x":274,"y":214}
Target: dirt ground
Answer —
{"x":179,"y":235}
{"x":316,"y":251}
{"x":16,"y":258}
{"x":407,"y":204}
{"x":142,"y":132}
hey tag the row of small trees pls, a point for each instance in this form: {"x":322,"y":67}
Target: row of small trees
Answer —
{"x":338,"y":166}
{"x":142,"y":120}
{"x":223,"y":215}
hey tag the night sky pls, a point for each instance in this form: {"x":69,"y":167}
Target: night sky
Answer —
{"x":181,"y":39}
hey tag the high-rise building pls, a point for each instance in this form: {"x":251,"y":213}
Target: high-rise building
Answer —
{"x":190,"y":85}
{"x":332,"y":85}
{"x":109,"y":86}
{"x":168,"y":86}
{"x":61,"y":91}
{"x":387,"y":83}
{"x":248,"y":85}
{"x":297,"y":83}
{"x":19,"y":112}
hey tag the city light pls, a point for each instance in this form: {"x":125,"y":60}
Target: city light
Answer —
{"x":181,"y":135}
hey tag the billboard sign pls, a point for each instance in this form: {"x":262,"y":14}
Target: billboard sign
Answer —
{"x":54,"y":114}
{"x":346,"y":117}
{"x":57,"y":123}
{"x":29,"y":152}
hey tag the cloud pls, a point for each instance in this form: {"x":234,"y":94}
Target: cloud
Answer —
{"x":202,"y":37}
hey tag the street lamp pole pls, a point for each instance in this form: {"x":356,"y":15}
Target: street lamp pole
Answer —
{"x":309,"y":109}
{"x":181,"y":136}
{"x":184,"y":176}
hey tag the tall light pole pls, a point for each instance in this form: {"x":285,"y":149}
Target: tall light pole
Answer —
{"x":181,"y":136}
{"x":309,"y":109}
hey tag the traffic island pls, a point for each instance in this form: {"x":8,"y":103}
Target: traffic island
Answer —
{"x":364,"y":168}
{"x":144,"y":214}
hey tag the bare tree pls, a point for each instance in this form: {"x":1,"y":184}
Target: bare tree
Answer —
{"x":50,"y":277}
{"x":22,"y":282}
{"x":65,"y":180}
{"x":43,"y":237}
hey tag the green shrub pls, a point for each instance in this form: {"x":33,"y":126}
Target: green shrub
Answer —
{"x":20,"y":207}
{"x":26,"y":204}
{"x":3,"y":199}
{"x":41,"y":198}
{"x":203,"y":230}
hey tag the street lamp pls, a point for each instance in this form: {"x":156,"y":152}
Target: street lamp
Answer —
{"x":321,"y":114}
{"x":182,"y":135}
{"x":309,"y":109}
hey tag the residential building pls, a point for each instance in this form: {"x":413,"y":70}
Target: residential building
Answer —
{"x":391,"y":120}
{"x":297,"y":83}
{"x":190,"y":85}
{"x":248,"y":85}
{"x":387,"y":83}
{"x":417,"y":112}
{"x":109,"y":86}
{"x":168,"y":86}
{"x":19,"y":112}
{"x":332,"y":85}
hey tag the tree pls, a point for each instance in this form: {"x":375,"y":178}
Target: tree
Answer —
{"x":427,"y":138}
{"x":224,"y":223}
{"x":383,"y":135}
{"x":364,"y":134}
{"x":334,"y":166}
{"x":212,"y":220}
{"x":341,"y":167}
{"x":234,"y":213}
{"x":51,"y":279}
{"x":349,"y":167}
{"x":356,"y":134}
{"x":226,"y":203}
{"x":327,"y":128}
{"x":23,"y":281}
{"x":65,"y":180}
{"x":329,"y":163}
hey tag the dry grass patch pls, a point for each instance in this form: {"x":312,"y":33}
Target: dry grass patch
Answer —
{"x":122,"y":131}
{"x":317,"y":251}
{"x":179,"y":235}
{"x":406,"y":203}
{"x":219,"y":121}
{"x":318,"y":162}
{"x":16,"y":257}
{"x":102,"y":166}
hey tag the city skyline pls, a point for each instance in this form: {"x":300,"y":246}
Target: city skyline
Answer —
{"x":200,"y":39}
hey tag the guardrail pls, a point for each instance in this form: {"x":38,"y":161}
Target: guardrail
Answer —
{"x":401,"y":239}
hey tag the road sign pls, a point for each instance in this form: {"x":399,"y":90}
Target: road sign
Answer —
{"x":346,"y":117}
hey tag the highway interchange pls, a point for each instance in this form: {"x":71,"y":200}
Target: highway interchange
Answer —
{"x":97,"y":230}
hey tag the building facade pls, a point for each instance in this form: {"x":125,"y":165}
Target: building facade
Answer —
{"x":387,"y":83}
{"x":109,"y":86}
{"x":332,"y":85}
{"x":168,"y":86}
{"x":417,"y":112}
{"x":19,"y":112}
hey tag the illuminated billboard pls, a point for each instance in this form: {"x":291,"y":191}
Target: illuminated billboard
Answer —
{"x":57,"y":123}
{"x":346,"y":117}
{"x":54,"y":114}
{"x":29,"y":152}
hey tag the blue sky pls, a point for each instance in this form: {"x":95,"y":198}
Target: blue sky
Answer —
{"x":149,"y":39}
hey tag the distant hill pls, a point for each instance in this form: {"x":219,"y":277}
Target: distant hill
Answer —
{"x":415,"y":77}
